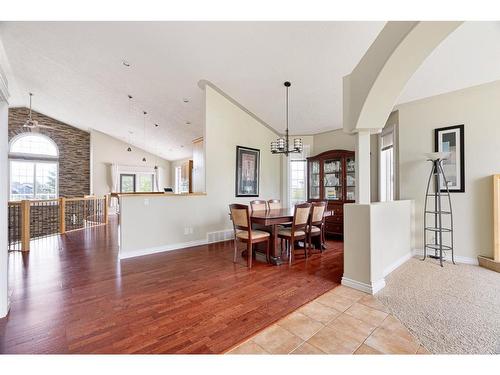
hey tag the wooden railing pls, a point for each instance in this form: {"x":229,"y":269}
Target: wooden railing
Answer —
{"x":31,"y":219}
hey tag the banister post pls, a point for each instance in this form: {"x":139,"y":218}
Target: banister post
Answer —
{"x":62,"y":215}
{"x":106,"y":208}
{"x":25,"y":228}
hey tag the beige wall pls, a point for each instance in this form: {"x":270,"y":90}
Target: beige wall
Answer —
{"x":159,"y":223}
{"x":106,"y":150}
{"x":479,"y":110}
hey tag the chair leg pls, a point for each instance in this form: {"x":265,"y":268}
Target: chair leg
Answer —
{"x":292,"y":249}
{"x":268,"y":256}
{"x":310,"y":244}
{"x":235,"y":251}
{"x":250,"y":254}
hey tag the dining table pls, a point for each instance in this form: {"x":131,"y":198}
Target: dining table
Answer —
{"x":271,"y":219}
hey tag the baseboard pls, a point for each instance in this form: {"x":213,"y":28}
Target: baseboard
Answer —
{"x":367,"y":288}
{"x":458,"y":258}
{"x":161,"y":249}
{"x":397,"y":263}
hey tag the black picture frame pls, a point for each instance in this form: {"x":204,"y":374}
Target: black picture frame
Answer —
{"x":247,"y":180}
{"x":456,"y":183}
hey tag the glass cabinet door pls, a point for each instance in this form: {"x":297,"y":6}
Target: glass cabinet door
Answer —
{"x":350,"y":179}
{"x":314,"y":180}
{"x":332,"y":182}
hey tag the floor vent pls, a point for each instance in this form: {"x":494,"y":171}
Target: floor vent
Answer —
{"x":219,"y":236}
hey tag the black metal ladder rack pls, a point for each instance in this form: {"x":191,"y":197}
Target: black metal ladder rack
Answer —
{"x":437,"y":213}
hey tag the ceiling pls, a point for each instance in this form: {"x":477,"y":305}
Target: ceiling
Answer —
{"x":75,"y":71}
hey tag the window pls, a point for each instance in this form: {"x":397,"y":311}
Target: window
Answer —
{"x":145,"y":182}
{"x":297,"y":177}
{"x":387,"y":166}
{"x":33,"y":167}
{"x":127,"y":183}
{"x":136,"y":182}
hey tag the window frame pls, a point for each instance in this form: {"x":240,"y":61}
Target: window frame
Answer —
{"x":128,"y":175}
{"x":393,"y":128}
{"x":34,"y":159}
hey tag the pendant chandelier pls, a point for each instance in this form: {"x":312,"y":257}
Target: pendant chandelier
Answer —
{"x":282,"y":145}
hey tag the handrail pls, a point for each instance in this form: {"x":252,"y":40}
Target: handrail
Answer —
{"x":37,"y":218}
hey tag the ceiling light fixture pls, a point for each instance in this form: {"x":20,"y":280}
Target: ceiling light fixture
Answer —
{"x":185,"y":100}
{"x":125,"y":63}
{"x":282,"y":145}
{"x":188,"y":122}
{"x":129,"y":149}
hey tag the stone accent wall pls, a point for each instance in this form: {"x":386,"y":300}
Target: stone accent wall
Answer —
{"x":74,"y":150}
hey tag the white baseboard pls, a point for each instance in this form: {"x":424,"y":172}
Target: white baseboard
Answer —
{"x":397,"y":263}
{"x":458,"y":258}
{"x":367,"y":288}
{"x":161,"y":249}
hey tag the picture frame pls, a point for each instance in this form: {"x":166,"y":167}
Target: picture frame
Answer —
{"x":247,"y":172}
{"x":451,"y":139}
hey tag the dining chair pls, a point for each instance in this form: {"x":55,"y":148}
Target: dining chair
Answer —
{"x":316,"y":226}
{"x":297,"y":231}
{"x":274,"y":204}
{"x":258,"y":205}
{"x":243,"y":232}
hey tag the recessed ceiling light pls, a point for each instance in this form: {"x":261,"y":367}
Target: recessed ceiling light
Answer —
{"x":182,"y":146}
{"x":156,"y":125}
{"x":185,"y":100}
{"x":188,"y":122}
{"x":125,"y":63}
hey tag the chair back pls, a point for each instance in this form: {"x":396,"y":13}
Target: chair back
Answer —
{"x":318,"y":212}
{"x":274,"y":204}
{"x":258,"y":205}
{"x":301,"y":216}
{"x":240,"y":216}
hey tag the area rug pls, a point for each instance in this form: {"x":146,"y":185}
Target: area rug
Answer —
{"x":451,"y":310}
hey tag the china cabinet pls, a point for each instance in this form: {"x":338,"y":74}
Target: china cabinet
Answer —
{"x":331,"y":177}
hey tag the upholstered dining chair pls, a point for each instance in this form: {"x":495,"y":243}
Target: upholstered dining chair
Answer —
{"x":274,"y":204}
{"x":316,"y":225}
{"x":258,"y":205}
{"x":297,"y":231}
{"x":243,"y":232}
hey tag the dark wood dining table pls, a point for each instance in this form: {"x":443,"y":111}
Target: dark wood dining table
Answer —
{"x":271,"y":219}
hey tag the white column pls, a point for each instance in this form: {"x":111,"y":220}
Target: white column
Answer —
{"x":363,"y":167}
{"x":4,"y":297}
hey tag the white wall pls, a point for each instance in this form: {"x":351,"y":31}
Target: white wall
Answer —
{"x":4,"y":116}
{"x":158,"y":223}
{"x":478,"y":109}
{"x":106,"y":150}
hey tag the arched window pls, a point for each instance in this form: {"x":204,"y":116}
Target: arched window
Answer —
{"x":33,"y":162}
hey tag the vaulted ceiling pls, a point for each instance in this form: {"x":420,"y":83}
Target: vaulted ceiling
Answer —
{"x":76,"y":71}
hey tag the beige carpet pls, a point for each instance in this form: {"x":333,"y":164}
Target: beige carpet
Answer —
{"x":451,"y":310}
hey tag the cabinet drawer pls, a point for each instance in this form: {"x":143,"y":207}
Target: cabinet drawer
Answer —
{"x":335,"y":228}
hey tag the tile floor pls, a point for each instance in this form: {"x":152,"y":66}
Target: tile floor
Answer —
{"x":342,"y":321}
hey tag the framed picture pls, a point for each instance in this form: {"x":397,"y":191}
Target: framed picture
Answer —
{"x":451,"y":139}
{"x":247,"y":171}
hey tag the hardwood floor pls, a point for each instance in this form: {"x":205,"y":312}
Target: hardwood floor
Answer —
{"x":71,"y":294}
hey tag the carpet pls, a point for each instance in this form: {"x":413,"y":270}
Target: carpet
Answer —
{"x":451,"y":310}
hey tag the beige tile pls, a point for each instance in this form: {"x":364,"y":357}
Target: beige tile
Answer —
{"x":306,"y":348}
{"x":366,"y":314}
{"x":374,"y":303}
{"x":248,"y":347}
{"x":319,"y":312}
{"x":300,"y":325}
{"x":277,"y":340}
{"x":347,"y":292}
{"x":343,"y":336}
{"x":393,"y":338}
{"x":422,"y":350}
{"x":365,"y":349}
{"x":336,"y":301}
